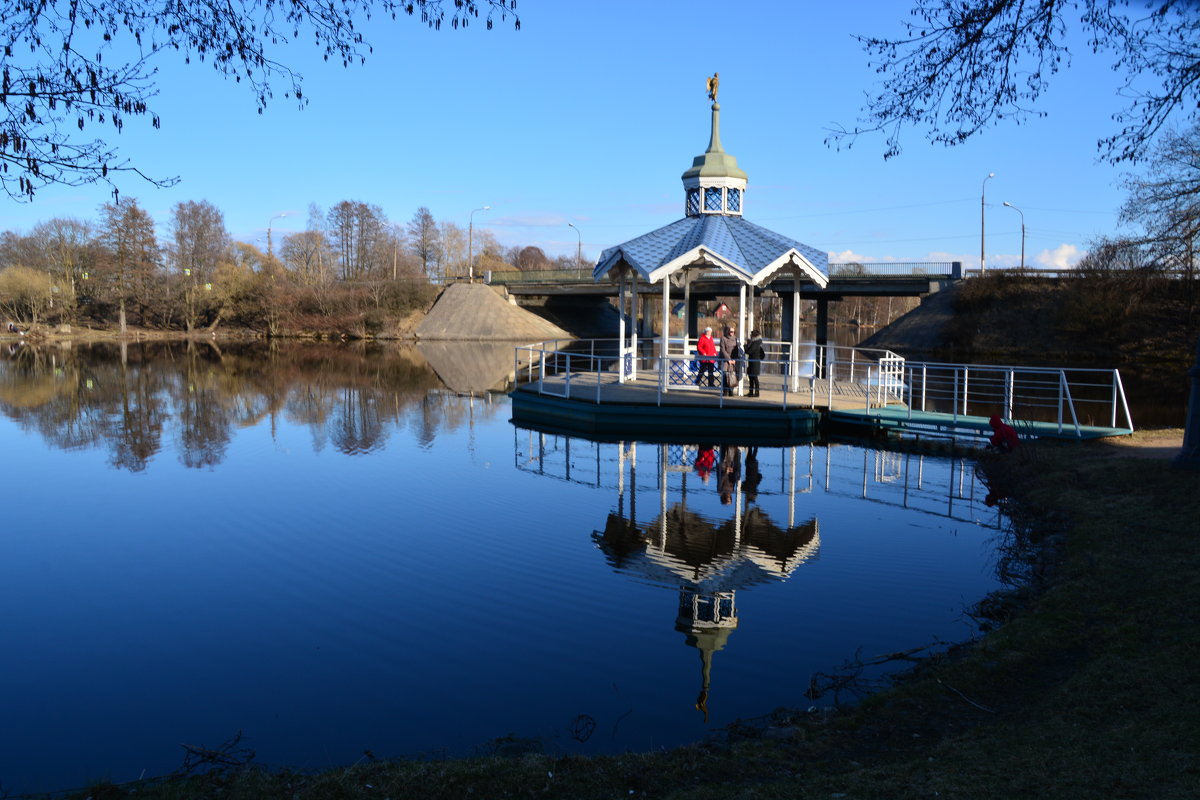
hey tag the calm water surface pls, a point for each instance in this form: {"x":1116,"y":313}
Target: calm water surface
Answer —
{"x":331,"y":550}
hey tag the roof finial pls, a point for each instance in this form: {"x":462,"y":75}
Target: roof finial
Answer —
{"x":713,"y":82}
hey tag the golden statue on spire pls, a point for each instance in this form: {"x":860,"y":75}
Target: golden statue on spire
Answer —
{"x":713,"y":82}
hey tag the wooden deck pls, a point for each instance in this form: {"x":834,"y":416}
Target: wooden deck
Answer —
{"x":644,"y":391}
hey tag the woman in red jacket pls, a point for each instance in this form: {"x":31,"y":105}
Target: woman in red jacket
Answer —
{"x":705,"y":346}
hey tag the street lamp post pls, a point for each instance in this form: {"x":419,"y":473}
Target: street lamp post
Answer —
{"x":578,"y":246}
{"x":277,"y":216}
{"x":471,"y":242}
{"x":1022,"y":213}
{"x":982,"y":205}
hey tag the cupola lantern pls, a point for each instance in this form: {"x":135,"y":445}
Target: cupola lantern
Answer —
{"x":714,"y":184}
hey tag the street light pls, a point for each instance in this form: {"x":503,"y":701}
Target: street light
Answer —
{"x":578,"y":247}
{"x":471,"y":242}
{"x":277,"y":216}
{"x":1022,"y":213}
{"x":982,"y":203}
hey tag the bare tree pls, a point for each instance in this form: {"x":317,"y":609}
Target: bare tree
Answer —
{"x":452,"y":240}
{"x":424,"y":239}
{"x":1166,"y":200}
{"x":969,"y":64}
{"x":68,"y":250}
{"x":130,"y":256}
{"x":357,"y":232}
{"x":70,"y":65}
{"x":307,"y":256}
{"x":199,"y":245}
{"x":529,"y":258}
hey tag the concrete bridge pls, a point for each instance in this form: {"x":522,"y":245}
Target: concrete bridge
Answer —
{"x":910,"y":279}
{"x":845,"y":280}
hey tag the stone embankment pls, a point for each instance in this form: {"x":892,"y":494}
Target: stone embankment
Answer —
{"x":921,"y":330}
{"x":474,"y":312}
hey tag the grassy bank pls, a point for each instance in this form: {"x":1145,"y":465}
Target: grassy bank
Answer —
{"x":1128,"y":316}
{"x":1085,"y":686}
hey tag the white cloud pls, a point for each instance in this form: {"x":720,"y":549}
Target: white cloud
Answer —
{"x":849,"y":257}
{"x":1065,"y":256}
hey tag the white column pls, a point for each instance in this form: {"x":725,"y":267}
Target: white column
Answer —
{"x":687,"y":311}
{"x":633,"y":342}
{"x":664,"y":364}
{"x":750,"y":315}
{"x":795,"y":372}
{"x":621,"y":330}
{"x":742,"y":332}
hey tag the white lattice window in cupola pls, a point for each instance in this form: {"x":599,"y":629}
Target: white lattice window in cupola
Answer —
{"x":712,"y":199}
{"x":733,"y":199}
{"x":693,"y":202}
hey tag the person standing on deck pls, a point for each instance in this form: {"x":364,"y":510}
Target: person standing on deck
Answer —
{"x":754,"y":355}
{"x":705,"y":346}
{"x":730,"y":352}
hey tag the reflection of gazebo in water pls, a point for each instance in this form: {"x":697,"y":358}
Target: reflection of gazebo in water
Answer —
{"x":709,"y":563}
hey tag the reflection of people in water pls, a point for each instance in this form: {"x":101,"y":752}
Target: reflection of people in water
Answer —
{"x":705,"y":460}
{"x":730,"y":472}
{"x":753,"y":476}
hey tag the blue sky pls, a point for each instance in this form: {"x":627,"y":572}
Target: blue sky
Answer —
{"x":590,"y":113}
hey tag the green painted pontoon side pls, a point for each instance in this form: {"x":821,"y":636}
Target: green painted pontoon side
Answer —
{"x":899,"y":418}
{"x":690,"y":424}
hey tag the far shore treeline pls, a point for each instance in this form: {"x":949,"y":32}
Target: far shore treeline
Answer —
{"x":350,"y":272}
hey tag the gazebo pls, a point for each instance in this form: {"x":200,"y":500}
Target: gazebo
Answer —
{"x":714,"y":243}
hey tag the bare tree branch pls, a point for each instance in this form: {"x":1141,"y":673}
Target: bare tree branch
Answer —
{"x":969,"y":64}
{"x":67,"y":65}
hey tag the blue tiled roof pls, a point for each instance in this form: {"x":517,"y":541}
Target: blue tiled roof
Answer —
{"x":745,"y":247}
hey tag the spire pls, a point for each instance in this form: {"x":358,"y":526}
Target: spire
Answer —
{"x":714,"y":184}
{"x":714,"y":140}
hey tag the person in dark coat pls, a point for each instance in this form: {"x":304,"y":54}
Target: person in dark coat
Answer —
{"x":754,"y":355}
{"x":730,"y":353}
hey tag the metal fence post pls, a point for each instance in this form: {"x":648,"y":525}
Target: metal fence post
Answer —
{"x":966,"y":388}
{"x":1009,"y":381}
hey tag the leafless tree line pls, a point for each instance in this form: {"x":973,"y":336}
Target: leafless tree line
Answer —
{"x":348,"y":270}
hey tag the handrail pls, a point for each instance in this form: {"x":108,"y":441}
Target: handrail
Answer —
{"x":1071,"y":397}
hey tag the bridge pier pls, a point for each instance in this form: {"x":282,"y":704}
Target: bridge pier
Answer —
{"x":822,"y":322}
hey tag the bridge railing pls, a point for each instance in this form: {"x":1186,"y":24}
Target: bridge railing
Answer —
{"x":507,"y":278}
{"x":939,"y":269}
{"x":1067,"y":397}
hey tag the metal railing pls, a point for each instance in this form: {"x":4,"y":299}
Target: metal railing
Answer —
{"x":1067,"y":397}
{"x":601,"y":365}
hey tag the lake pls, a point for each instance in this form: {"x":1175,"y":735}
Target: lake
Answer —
{"x":341,"y":548}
